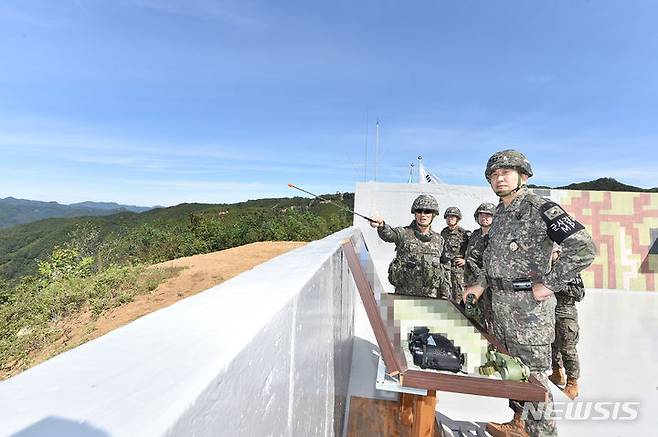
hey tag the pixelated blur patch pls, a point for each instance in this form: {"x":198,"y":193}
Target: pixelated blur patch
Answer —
{"x":650,"y":262}
{"x":402,"y":314}
{"x":653,"y":249}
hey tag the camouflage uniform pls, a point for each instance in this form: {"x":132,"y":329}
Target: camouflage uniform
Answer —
{"x":416,"y":269}
{"x":520,"y":246}
{"x":566,"y":328}
{"x":456,"y":241}
{"x":474,"y":251}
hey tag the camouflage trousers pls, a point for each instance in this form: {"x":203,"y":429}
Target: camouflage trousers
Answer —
{"x":537,"y":357}
{"x":563,"y":349}
{"x":456,"y":282}
{"x":534,"y":355}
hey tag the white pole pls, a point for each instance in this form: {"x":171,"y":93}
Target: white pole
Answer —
{"x":420,"y":163}
{"x":377,"y":150}
{"x":365,"y":162}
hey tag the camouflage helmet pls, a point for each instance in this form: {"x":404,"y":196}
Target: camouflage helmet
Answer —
{"x":486,"y":207}
{"x":453,"y":210}
{"x":425,"y":201}
{"x":508,"y":159}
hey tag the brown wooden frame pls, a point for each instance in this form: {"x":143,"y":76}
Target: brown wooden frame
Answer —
{"x":396,"y":363}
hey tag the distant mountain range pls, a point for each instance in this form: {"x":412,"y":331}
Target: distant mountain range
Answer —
{"x":601,"y":184}
{"x":22,"y":246}
{"x":113,"y":206}
{"x":18,"y":211}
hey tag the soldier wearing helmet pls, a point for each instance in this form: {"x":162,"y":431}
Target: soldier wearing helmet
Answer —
{"x":477,"y":242}
{"x":516,"y":267}
{"x":454,"y":252}
{"x":416,"y":269}
{"x":508,"y":162}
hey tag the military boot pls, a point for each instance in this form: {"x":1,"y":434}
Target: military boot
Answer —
{"x":571,"y":389}
{"x":557,"y":377}
{"x":513,"y":428}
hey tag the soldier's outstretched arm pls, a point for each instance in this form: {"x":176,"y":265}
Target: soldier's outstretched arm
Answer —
{"x":376,"y":222}
{"x":385,"y":232}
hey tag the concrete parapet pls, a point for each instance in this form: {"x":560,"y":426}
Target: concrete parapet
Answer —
{"x":265,"y":353}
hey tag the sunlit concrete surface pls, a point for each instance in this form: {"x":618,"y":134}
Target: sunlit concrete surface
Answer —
{"x":265,"y":353}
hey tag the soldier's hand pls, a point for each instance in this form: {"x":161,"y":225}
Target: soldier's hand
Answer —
{"x":477,"y":290}
{"x":459,"y":262}
{"x":377,"y":222}
{"x":541,"y":292}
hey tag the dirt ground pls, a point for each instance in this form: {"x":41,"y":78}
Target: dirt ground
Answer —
{"x":192,"y":275}
{"x":198,"y":273}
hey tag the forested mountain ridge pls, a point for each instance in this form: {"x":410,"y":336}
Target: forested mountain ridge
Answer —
{"x":166,"y":233}
{"x":601,"y":184}
{"x":18,"y":211}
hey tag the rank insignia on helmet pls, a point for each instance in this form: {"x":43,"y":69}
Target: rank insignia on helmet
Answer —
{"x":559,"y":224}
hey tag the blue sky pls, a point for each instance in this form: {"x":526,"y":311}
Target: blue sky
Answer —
{"x":161,"y":102}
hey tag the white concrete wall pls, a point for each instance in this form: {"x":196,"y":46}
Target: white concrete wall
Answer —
{"x":266,"y":353}
{"x":393,"y":202}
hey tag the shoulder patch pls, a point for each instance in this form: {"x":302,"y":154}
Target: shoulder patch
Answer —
{"x":559,"y":224}
{"x":536,"y":201}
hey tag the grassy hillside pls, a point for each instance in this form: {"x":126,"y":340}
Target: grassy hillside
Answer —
{"x":166,"y":233}
{"x":55,"y":269}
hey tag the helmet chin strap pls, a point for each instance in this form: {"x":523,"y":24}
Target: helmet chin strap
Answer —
{"x":517,"y":188}
{"x":519,"y":185}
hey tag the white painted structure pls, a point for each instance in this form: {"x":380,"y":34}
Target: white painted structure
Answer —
{"x":265,"y":353}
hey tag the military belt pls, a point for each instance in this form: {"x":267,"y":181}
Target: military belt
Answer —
{"x":500,"y":284}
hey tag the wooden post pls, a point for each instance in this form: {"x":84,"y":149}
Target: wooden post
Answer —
{"x":418,"y":414}
{"x":406,"y":409}
{"x":424,"y":415}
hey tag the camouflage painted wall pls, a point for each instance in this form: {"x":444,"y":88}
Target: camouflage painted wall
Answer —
{"x":625,"y":229}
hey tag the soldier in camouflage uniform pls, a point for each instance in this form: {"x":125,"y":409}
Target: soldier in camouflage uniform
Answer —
{"x":477,"y":242}
{"x":416,"y":269}
{"x":563,"y":349}
{"x":454,"y":251}
{"x":516,"y":265}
